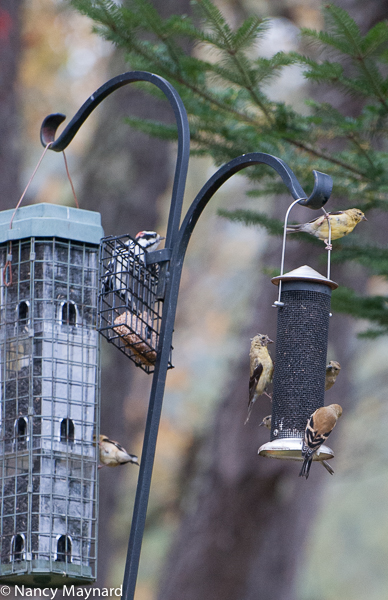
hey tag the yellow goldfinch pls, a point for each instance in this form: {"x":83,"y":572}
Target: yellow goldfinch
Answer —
{"x":319,"y":427}
{"x":332,"y":370}
{"x":341,"y":222}
{"x":261,"y":369}
{"x":112,"y":454}
{"x":267,"y":422}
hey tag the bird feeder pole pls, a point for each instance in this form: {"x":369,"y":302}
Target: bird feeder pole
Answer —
{"x":170,"y":260}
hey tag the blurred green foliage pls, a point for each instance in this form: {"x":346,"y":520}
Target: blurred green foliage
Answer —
{"x":230,"y":112}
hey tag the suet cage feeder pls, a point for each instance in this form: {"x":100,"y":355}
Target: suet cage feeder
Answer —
{"x":49,"y":369}
{"x":300,"y":361}
{"x":131,"y":300}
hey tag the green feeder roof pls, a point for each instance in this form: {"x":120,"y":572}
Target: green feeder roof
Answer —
{"x":51,"y":220}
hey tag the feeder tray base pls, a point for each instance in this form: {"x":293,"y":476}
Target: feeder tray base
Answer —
{"x":291,"y":449}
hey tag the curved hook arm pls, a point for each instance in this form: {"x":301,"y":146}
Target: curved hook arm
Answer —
{"x":52,"y":122}
{"x":323,"y":185}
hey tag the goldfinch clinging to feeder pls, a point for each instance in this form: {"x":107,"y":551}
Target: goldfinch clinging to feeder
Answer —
{"x":261,"y":369}
{"x":267,"y":422}
{"x":319,"y":427}
{"x":112,"y":454}
{"x":332,"y":371}
{"x":341,"y":222}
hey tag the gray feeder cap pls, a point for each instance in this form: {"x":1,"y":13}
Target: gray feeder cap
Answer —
{"x":305,"y":273}
{"x":51,"y":220}
{"x":291,"y":449}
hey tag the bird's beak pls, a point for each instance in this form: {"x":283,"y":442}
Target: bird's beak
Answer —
{"x":262,"y":423}
{"x":270,"y":341}
{"x":364,"y":218}
{"x":162,"y":237}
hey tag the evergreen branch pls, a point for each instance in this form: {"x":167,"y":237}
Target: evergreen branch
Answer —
{"x":374,"y":308}
{"x":253,"y":218}
{"x":320,"y":154}
{"x":374,"y":258}
{"x":225,"y":34}
{"x":344,"y":20}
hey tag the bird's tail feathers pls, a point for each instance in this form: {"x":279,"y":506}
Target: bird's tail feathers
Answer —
{"x":250,"y":406}
{"x":307,"y":454}
{"x":126,"y":458}
{"x":305,"y":470}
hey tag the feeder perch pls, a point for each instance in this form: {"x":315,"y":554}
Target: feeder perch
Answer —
{"x":300,"y":363}
{"x":49,"y":370}
{"x":130,"y":300}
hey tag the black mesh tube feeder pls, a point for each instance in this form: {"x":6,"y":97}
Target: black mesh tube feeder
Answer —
{"x":138,"y":314}
{"x":300,"y":363}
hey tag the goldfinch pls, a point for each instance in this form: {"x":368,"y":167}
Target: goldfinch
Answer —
{"x":267,"y":422}
{"x":319,"y":427}
{"x":342,"y":223}
{"x":332,"y":371}
{"x":261,"y":369}
{"x":112,"y":454}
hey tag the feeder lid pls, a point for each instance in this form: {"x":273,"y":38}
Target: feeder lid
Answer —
{"x":51,"y":220}
{"x":305,"y":273}
{"x":291,"y":449}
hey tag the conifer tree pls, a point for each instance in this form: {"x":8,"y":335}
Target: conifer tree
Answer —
{"x":231,"y":114}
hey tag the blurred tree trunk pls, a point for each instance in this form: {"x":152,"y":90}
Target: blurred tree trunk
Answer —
{"x":243,"y":533}
{"x":10,"y":52}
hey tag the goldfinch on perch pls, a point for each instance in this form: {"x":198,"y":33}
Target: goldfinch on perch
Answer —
{"x":267,"y":422}
{"x":342,"y":223}
{"x":319,"y":427}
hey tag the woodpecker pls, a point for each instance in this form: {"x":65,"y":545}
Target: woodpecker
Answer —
{"x":122,"y":264}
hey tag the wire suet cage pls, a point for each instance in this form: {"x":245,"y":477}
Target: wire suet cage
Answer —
{"x":130,"y":300}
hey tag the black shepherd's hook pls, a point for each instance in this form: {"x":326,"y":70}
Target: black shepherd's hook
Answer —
{"x":52,"y":122}
{"x":177,"y":239}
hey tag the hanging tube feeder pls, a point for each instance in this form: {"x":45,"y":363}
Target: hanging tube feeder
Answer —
{"x":300,"y":365}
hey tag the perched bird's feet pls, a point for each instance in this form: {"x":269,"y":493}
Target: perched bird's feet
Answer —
{"x":328,"y":246}
{"x":268,"y":395}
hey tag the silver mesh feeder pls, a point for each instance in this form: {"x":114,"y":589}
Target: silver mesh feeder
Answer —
{"x":300,"y":363}
{"x":131,"y":299}
{"x":49,"y":370}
